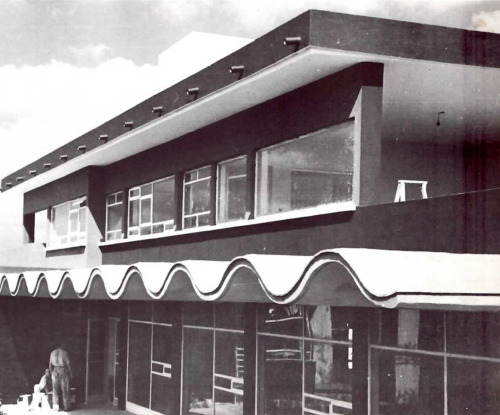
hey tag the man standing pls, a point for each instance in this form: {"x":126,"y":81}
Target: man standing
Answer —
{"x":60,"y":368}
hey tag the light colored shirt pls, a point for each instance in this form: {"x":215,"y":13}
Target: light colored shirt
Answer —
{"x":45,"y":383}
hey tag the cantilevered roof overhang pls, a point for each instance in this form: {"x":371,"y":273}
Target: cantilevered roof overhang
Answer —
{"x":340,"y":277}
{"x":329,"y":42}
{"x":292,"y":72}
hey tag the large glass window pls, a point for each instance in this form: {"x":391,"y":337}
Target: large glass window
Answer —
{"x":154,"y":356}
{"x":151,"y":208}
{"x":430,"y":362}
{"x":214,"y":359}
{"x":407,"y":383}
{"x":305,"y":360}
{"x":473,"y":387}
{"x":473,"y":333}
{"x":69,"y":222}
{"x":197,"y":197}
{"x":229,"y":372}
{"x":327,"y":378}
{"x":139,"y":364}
{"x":198,"y":371}
{"x":114,"y":216}
{"x":307,"y":172}
{"x":280,"y":376}
{"x":232,"y":190}
{"x":282,"y":320}
{"x":164,"y":393}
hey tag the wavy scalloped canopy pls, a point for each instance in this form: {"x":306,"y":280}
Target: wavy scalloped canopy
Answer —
{"x":341,"y":277}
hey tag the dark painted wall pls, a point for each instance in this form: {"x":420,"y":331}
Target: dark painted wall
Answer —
{"x":442,"y":165}
{"x":403,"y":39}
{"x":467,"y":223}
{"x":68,"y":188}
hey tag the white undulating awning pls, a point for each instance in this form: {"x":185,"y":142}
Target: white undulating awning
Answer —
{"x":341,"y":277}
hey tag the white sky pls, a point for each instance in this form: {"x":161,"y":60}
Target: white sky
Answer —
{"x":66,"y":66}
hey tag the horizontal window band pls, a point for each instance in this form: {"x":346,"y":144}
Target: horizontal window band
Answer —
{"x":333,"y":208}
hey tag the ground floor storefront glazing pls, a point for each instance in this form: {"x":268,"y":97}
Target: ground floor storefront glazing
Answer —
{"x":229,"y":358}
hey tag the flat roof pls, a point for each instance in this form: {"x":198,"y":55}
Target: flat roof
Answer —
{"x":308,"y":47}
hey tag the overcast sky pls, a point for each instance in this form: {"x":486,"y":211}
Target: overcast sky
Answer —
{"x":66,"y":66}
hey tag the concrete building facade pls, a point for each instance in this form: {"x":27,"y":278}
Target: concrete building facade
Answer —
{"x":307,"y":226}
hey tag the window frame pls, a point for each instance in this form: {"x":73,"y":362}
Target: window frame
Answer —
{"x":301,"y":339}
{"x":446,"y":354}
{"x":150,"y":223}
{"x":81,"y":236}
{"x":120,"y":231}
{"x":209,"y":212}
{"x":218,"y":189}
{"x":253,"y":197}
{"x":306,"y":211}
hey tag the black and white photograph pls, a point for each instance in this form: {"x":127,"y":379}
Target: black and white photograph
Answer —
{"x":229,"y":207}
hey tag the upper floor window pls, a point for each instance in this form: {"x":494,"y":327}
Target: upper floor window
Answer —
{"x":307,"y":172}
{"x":114,"y":216}
{"x":197,"y":197}
{"x":232,"y":190}
{"x":68,"y":222}
{"x":151,"y":208}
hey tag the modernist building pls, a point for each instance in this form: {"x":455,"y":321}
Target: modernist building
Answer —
{"x":308,"y":226}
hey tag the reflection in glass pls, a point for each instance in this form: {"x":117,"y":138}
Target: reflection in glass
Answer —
{"x":306,"y":172}
{"x":163,"y":371}
{"x":197,"y":192}
{"x":325,"y":322}
{"x":280,"y":383}
{"x":232,"y":190}
{"x":198,"y":371}
{"x":60,"y":220}
{"x":198,"y":314}
{"x":139,"y":363}
{"x":473,"y":387}
{"x":229,"y":372}
{"x":167,"y":312}
{"x":328,"y":378}
{"x":473,"y":333}
{"x":133,"y":213}
{"x":115,"y":222}
{"x":277,"y":319}
{"x":163,"y":203}
{"x":151,"y":207}
{"x":230,"y":315}
{"x":410,"y":329}
{"x":68,"y":222}
{"x":406,"y":383}
{"x":140,"y":310}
